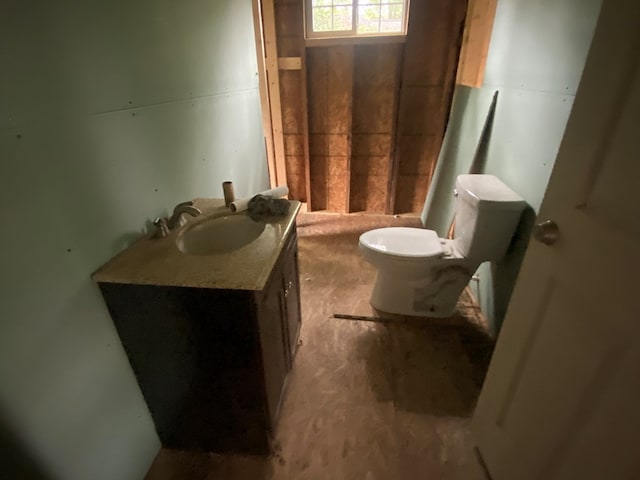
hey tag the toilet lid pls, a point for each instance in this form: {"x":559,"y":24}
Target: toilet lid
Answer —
{"x":403,"y":242}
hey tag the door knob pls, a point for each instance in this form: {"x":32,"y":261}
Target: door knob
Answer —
{"x":546,"y":232}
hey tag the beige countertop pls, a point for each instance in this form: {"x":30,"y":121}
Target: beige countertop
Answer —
{"x":157,"y":261}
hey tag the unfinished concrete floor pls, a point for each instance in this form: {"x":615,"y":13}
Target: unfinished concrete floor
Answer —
{"x":369,"y":400}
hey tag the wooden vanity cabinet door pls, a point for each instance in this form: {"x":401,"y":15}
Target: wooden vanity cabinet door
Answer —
{"x":272,"y":338}
{"x":279,"y":323}
{"x":292,"y":297}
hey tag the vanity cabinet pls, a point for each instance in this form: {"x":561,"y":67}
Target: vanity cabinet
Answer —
{"x":291,"y":281}
{"x":212,"y":363}
{"x":279,"y":322}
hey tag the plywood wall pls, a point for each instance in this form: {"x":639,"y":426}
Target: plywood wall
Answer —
{"x":428,"y":77}
{"x":375,"y":114}
{"x":330,"y":81}
{"x":376,"y":87}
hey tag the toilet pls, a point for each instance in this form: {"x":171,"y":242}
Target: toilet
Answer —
{"x":422,"y":275}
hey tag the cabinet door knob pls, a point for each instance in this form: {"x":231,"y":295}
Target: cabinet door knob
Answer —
{"x":546,"y":232}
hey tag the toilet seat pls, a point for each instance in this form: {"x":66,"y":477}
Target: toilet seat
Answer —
{"x":403,"y":243}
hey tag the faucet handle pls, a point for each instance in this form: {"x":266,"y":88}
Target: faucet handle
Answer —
{"x":163,"y":228}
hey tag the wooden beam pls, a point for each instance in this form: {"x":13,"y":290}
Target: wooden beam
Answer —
{"x":475,"y":42}
{"x":273,"y":82}
{"x":290,"y":63}
{"x":305,"y":126}
{"x":265,"y":105}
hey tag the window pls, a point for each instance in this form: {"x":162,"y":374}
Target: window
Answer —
{"x":355,"y":18}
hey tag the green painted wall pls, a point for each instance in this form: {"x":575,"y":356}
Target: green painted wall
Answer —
{"x":110,"y":114}
{"x":536,"y":56}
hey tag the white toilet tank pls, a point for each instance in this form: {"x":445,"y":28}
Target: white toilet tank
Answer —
{"x":487,"y":214}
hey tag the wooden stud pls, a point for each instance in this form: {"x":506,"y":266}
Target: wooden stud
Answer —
{"x":305,"y":125}
{"x":475,"y":42}
{"x":271,"y":55}
{"x":293,"y":94}
{"x":265,"y":105}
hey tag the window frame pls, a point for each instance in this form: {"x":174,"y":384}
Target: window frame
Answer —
{"x":351,"y":36}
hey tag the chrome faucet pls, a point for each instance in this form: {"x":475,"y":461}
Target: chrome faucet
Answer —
{"x":165,"y":225}
{"x":177,"y":220}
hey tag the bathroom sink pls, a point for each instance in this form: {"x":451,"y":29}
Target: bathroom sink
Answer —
{"x":219,"y":235}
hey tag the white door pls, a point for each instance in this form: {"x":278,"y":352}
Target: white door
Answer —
{"x":562,"y":395}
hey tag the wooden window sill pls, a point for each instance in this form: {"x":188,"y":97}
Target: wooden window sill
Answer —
{"x":358,"y":40}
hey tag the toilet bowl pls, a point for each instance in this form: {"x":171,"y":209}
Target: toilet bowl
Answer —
{"x":420,"y":274}
{"x":417,"y":273}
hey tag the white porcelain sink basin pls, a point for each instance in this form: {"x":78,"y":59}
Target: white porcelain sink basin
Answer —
{"x":219,"y":235}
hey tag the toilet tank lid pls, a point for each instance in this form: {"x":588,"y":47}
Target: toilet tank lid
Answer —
{"x":488,"y":191}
